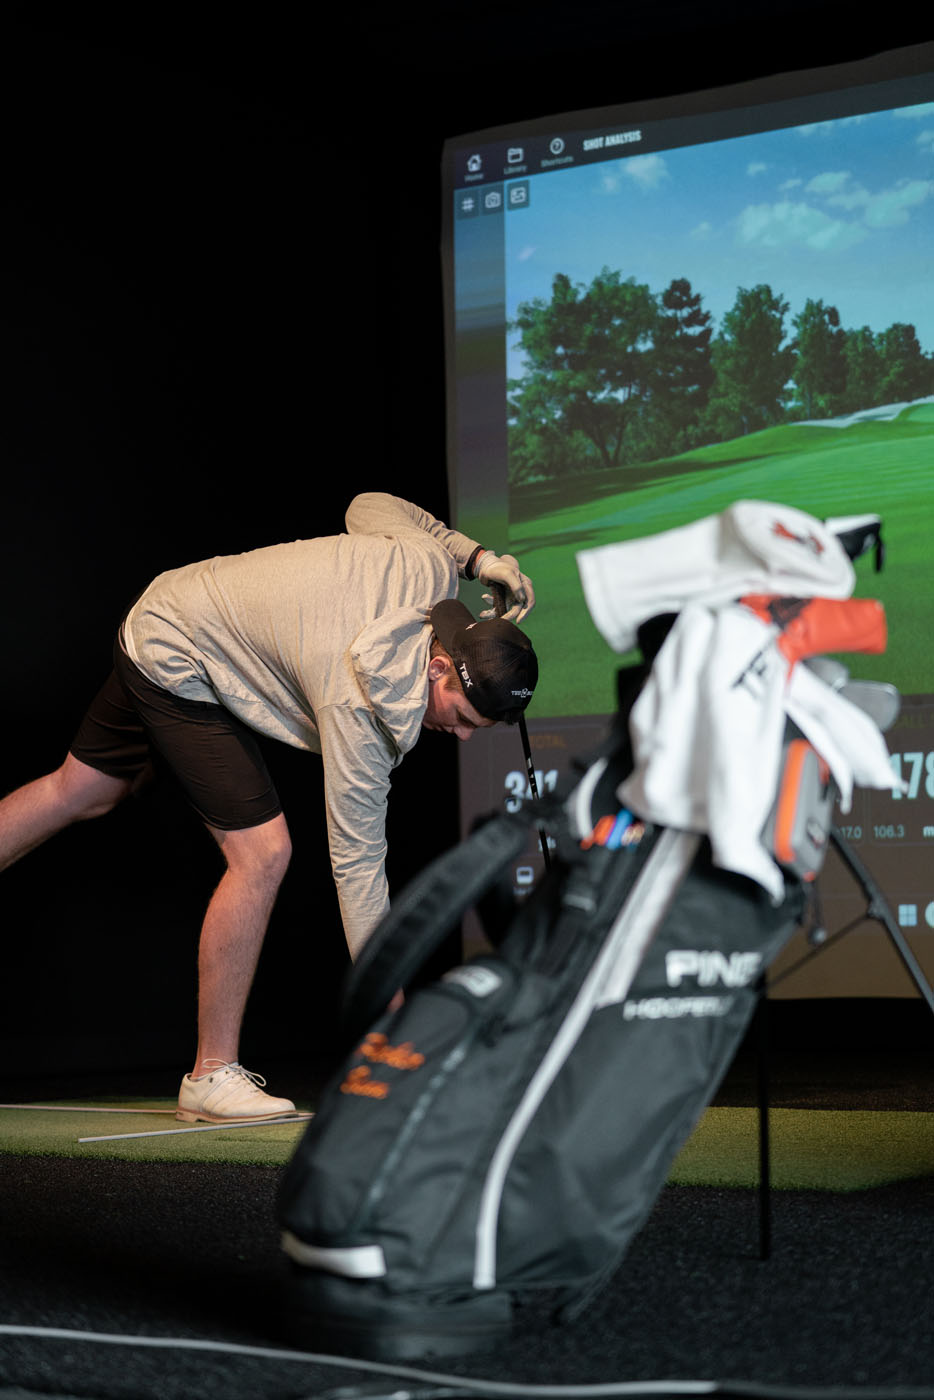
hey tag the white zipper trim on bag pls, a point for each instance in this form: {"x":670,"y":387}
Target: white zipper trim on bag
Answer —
{"x":608,"y":981}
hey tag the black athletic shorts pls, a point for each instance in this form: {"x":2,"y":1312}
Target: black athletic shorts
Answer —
{"x":214,"y":756}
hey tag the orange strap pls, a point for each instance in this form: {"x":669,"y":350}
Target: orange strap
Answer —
{"x":789,"y":795}
{"x":811,"y":626}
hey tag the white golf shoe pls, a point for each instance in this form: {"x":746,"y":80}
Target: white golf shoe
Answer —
{"x":229,"y":1094}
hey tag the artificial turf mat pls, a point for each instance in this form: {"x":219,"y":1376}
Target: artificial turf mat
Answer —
{"x":51,"y":1132}
{"x":822,"y":1149}
{"x":825,"y":1149}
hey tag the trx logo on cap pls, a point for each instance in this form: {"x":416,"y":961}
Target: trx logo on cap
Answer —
{"x":523,"y":694}
{"x":466,"y":675}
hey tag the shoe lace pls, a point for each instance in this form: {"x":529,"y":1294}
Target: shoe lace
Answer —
{"x":235,"y":1067}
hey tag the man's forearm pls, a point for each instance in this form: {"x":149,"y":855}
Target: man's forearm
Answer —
{"x":364,"y":901}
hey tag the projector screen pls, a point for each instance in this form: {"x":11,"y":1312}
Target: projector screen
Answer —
{"x":653,"y":311}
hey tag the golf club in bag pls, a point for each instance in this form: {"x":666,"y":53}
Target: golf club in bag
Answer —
{"x":488,"y":1150}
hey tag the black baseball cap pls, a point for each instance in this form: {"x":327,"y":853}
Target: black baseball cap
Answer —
{"x":493,"y":658}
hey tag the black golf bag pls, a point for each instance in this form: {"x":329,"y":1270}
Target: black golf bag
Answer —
{"x":489,"y":1148}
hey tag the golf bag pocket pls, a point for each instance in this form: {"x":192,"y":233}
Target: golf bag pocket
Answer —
{"x":398,"y":1075}
{"x":797,"y":832}
{"x":616,"y":1095}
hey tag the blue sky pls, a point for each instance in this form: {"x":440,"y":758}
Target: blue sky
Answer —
{"x":842,"y":211}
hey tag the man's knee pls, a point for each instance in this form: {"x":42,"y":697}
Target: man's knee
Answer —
{"x":278,"y":855}
{"x":259,"y":853}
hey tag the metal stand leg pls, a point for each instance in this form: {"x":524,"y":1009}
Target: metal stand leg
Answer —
{"x":762,"y":1078}
{"x":878,"y":909}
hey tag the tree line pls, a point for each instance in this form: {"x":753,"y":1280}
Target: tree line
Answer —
{"x":616,"y":374}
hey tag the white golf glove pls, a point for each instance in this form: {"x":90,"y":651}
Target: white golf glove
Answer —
{"x":513,"y":597}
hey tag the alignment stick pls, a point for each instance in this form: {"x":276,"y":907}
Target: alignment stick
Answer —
{"x":201,"y":1128}
{"x":75,"y":1108}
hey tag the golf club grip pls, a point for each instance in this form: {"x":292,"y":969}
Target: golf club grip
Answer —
{"x":498,"y":591}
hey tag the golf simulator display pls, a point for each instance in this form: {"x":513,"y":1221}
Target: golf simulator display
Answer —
{"x":488,"y":1150}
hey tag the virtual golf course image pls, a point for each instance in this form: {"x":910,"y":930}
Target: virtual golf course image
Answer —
{"x":877,"y":464}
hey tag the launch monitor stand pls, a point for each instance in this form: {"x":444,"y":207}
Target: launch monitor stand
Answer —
{"x":877,"y":908}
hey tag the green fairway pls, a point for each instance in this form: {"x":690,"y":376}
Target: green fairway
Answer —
{"x":880,"y":467}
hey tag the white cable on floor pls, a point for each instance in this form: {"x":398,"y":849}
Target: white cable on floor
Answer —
{"x":483,"y":1387}
{"x":491,"y":1389}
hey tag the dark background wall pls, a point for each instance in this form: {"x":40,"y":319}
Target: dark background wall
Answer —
{"x":221,"y":319}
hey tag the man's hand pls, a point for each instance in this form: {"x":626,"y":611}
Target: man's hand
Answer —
{"x":511,"y":586}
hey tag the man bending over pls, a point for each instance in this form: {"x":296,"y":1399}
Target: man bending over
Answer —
{"x":348,"y":646}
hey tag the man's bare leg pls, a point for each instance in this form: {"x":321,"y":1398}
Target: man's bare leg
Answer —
{"x":233,"y":932}
{"x":33,"y":813}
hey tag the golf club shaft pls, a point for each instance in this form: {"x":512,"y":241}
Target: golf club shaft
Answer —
{"x":499,"y":603}
{"x":533,"y":786}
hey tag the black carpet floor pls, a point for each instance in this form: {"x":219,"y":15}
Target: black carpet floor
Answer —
{"x":163,"y":1282}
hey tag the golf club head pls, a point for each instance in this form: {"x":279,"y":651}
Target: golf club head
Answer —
{"x":858,"y":534}
{"x":829,"y":670}
{"x":879,"y":700}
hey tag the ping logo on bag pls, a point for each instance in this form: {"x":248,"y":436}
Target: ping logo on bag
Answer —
{"x":709,"y":967}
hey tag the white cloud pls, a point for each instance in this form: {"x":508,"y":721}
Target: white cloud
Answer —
{"x":839,"y":189}
{"x":791,"y":184}
{"x":790,"y":223}
{"x":920,"y":111}
{"x":925,"y":140}
{"x":854,"y":197}
{"x":827,"y":128}
{"x":890,"y":207}
{"x":702,"y":230}
{"x":646,"y":171}
{"x":526,"y":253}
{"x":817,"y":224}
{"x":756,"y":167}
{"x":828,"y":182}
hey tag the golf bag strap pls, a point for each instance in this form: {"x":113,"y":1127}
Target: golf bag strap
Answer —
{"x":430,"y":906}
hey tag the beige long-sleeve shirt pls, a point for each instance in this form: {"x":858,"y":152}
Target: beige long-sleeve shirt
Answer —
{"x":323,"y":644}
